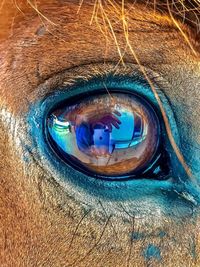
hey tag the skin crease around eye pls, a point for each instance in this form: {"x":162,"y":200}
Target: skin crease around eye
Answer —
{"x":45,"y":222}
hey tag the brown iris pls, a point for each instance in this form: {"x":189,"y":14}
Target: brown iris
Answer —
{"x":110,"y":135}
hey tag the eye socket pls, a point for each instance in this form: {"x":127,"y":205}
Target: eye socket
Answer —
{"x":110,"y":135}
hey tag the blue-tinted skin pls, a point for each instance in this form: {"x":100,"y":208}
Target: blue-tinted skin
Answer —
{"x":165,"y":194}
{"x":141,"y":235}
{"x":152,"y":251}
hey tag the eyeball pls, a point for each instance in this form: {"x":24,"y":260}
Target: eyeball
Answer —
{"x":111,"y":135}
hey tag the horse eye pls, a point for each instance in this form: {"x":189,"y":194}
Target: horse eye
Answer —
{"x":111,"y":135}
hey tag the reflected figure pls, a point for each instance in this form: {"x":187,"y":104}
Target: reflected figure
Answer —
{"x":95,"y":134}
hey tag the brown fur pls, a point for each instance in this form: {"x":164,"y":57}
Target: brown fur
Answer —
{"x":44,"y":222}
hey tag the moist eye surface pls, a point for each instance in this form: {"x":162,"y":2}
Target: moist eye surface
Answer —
{"x":108,"y":134}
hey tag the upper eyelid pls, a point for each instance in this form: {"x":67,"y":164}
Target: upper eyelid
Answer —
{"x":71,"y":77}
{"x":65,"y":85}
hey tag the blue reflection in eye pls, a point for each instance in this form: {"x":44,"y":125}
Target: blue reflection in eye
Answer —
{"x":108,"y":135}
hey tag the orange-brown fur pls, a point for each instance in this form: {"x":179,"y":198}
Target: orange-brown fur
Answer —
{"x":47,"y":223}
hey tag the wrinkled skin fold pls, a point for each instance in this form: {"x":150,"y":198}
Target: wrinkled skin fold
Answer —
{"x":53,"y":216}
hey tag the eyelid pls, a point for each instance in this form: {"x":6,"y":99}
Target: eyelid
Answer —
{"x":72,"y":85}
{"x":70,"y":79}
